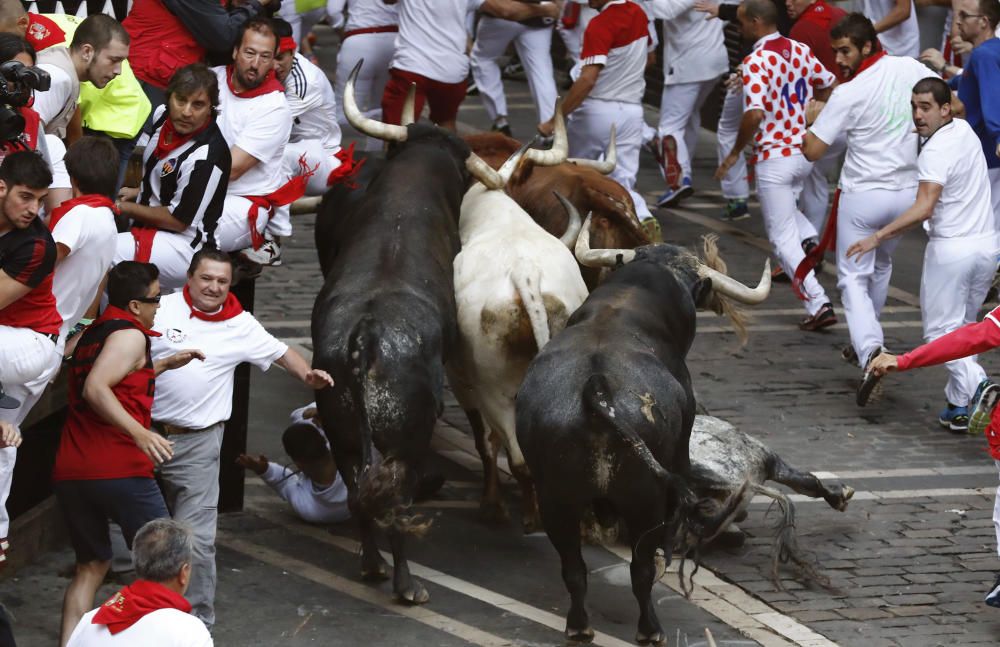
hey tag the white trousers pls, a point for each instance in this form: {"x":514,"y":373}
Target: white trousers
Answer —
{"x":25,"y":356}
{"x":735,"y":184}
{"x":864,"y":281}
{"x":956,"y":276}
{"x":302,"y":23}
{"x":589,"y":130}
{"x":171,"y":254}
{"x":312,"y":152}
{"x":573,"y":38}
{"x":377,"y":51}
{"x":680,"y":117}
{"x":533,"y":45}
{"x":815,"y":198}
{"x":232,"y":233}
{"x":779,"y":181}
{"x":994,"y":174}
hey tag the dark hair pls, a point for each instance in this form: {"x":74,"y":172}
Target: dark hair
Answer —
{"x":303,"y":442}
{"x":98,"y":31}
{"x":161,"y":548}
{"x":935,"y":87}
{"x":991,"y":11}
{"x":763,"y":10}
{"x":25,"y":168}
{"x":209,"y":254}
{"x":858,"y":29}
{"x":260,"y":25}
{"x":130,"y":280}
{"x":282,"y":28}
{"x":191,"y":78}
{"x":11,"y":45}
{"x":92,"y":162}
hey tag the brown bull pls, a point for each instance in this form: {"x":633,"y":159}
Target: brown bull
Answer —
{"x":614,"y":223}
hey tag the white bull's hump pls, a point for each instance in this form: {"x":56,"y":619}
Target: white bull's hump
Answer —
{"x":730,"y":454}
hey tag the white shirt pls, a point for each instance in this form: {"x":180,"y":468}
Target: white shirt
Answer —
{"x":201,"y":394}
{"x":91,"y":236}
{"x":617,"y":38}
{"x":901,"y":40}
{"x":260,"y":126}
{"x":778,"y":79}
{"x":873,"y":110}
{"x":56,"y":105}
{"x":693,"y":48}
{"x":313,"y":104}
{"x":953,"y":159}
{"x":311,"y":503}
{"x":161,"y":628}
{"x":432,"y":36}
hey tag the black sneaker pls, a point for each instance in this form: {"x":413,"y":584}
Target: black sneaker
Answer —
{"x":808,"y":245}
{"x":824,"y":318}
{"x":6,"y":401}
{"x":868,"y":381}
{"x":778,"y":275}
{"x":848,"y":354}
{"x":993,"y":597}
{"x":501,"y":126}
{"x":982,"y":405}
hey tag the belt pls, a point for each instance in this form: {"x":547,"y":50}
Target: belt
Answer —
{"x":370,"y":30}
{"x":52,"y":336}
{"x":168,"y":429}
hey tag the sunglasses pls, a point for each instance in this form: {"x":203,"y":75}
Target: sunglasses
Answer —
{"x":155,"y":299}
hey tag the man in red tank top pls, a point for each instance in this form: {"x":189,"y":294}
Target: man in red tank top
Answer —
{"x":104,"y":465}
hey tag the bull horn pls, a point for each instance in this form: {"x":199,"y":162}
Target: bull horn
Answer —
{"x":709,"y":638}
{"x":409,"y":113}
{"x":727,"y":286}
{"x":363,"y":124}
{"x":573,"y":228}
{"x":598,"y":257}
{"x":560,"y":144}
{"x":498,"y":179}
{"x":605,"y":166}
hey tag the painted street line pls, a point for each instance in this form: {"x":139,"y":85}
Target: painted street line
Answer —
{"x":361,"y":592}
{"x":961,"y":470}
{"x":704,"y":330}
{"x":492,"y":598}
{"x":878,"y":495}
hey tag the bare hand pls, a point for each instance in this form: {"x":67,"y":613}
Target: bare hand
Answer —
{"x":933,"y":57}
{"x":710,"y":8}
{"x":884,"y":363}
{"x":128,"y":194}
{"x":725,"y":166}
{"x":155,"y":446}
{"x":813,"y":108}
{"x":257,"y":464}
{"x":547,"y":128}
{"x":733,"y":81}
{"x":182,"y":358}
{"x":998,"y":147}
{"x":9,"y":435}
{"x":318,"y":379}
{"x":552,"y":9}
{"x":960,"y":46}
{"x":862,"y":247}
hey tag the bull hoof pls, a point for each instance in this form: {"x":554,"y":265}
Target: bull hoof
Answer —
{"x":494,"y":512}
{"x":655,"y":638}
{"x":532,"y":524}
{"x":585,"y":635}
{"x":414,"y":595}
{"x":845,"y":497}
{"x":378,"y":572}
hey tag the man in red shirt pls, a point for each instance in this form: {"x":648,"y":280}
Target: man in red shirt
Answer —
{"x":104,"y":465}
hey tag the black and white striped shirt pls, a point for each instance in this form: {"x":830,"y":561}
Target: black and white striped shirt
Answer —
{"x":191,"y":181}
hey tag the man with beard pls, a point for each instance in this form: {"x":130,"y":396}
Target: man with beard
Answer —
{"x":185,"y":175}
{"x":95,"y":54}
{"x":879,"y":178}
{"x":954,"y":199}
{"x":256,"y":122}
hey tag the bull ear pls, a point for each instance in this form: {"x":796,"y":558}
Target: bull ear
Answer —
{"x":702,"y":291}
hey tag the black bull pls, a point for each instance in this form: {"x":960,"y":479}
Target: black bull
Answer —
{"x":604,"y":418}
{"x":382,"y":325}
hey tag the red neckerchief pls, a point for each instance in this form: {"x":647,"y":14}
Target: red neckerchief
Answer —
{"x":169,"y":139}
{"x":114,"y":312}
{"x":286,"y":194}
{"x":270,"y":84}
{"x":133,"y":602}
{"x":89,"y":199}
{"x":229,"y":309}
{"x":868,"y":62}
{"x":43,"y":32}
{"x":818,"y":13}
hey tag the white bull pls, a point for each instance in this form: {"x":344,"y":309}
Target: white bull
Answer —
{"x":515,"y":287}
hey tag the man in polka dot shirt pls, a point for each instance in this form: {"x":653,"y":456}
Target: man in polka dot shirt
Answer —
{"x":779,"y":78}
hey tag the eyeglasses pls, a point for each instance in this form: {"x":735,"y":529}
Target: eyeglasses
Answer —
{"x":155,"y":299}
{"x":963,"y":16}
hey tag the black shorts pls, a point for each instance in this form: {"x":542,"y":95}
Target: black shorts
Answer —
{"x":88,"y":505}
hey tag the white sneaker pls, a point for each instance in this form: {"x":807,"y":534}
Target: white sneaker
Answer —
{"x":268,"y":254}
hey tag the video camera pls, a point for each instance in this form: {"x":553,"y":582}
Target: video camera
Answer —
{"x":17,"y":82}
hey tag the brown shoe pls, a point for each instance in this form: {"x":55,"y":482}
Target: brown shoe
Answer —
{"x":824,"y":318}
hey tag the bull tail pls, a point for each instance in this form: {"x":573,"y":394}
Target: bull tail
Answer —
{"x":361,"y":349}
{"x":786,"y":546}
{"x":529,"y":287}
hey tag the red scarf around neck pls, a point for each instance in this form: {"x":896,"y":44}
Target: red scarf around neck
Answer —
{"x":170,"y":140}
{"x":89,"y":199}
{"x":270,"y":84}
{"x":868,"y":62}
{"x":133,"y":602}
{"x":229,"y":309}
